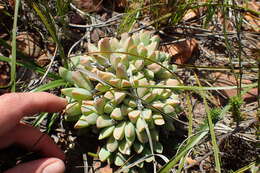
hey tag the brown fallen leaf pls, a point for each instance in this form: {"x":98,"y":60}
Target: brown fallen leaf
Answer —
{"x":189,"y":15}
{"x":1,"y":7}
{"x":88,"y":5}
{"x":182,"y":51}
{"x":225,"y":22}
{"x":4,"y":73}
{"x":96,"y":35}
{"x":190,"y":161}
{"x":43,"y":60}
{"x":229,"y":80}
{"x":11,"y":3}
{"x":253,"y":21}
{"x":28,"y":44}
{"x":121,"y":4}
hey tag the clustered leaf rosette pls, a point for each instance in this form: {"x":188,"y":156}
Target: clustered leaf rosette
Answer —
{"x":111,"y":92}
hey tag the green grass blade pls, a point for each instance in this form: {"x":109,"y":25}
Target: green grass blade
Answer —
{"x":51,"y":122}
{"x":203,"y":131}
{"x":211,"y":130}
{"x":190,"y":130}
{"x":245,"y":168}
{"x":196,"y":88}
{"x":50,"y":26}
{"x":193,"y":141}
{"x":30,"y":66}
{"x":50,"y":85}
{"x":13,"y":62}
{"x":39,"y":119}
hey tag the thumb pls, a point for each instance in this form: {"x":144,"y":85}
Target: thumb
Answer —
{"x":47,"y":165}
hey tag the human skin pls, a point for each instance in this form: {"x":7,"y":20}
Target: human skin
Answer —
{"x":13,"y":107}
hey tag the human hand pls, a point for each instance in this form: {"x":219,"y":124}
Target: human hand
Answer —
{"x":13,"y":107}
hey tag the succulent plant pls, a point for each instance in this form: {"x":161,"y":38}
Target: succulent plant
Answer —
{"x":113,"y":92}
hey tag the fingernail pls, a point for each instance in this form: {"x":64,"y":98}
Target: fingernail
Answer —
{"x":64,"y":100}
{"x":55,"y":167}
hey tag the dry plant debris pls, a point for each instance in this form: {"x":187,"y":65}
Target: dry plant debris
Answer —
{"x":28,"y":44}
{"x":4,"y":73}
{"x":88,"y":5}
{"x":223,"y":79}
{"x":182,"y":51}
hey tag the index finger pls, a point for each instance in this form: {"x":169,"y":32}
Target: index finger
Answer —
{"x":14,"y":106}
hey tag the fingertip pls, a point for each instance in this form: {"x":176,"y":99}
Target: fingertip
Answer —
{"x":46,"y":165}
{"x":56,"y":166}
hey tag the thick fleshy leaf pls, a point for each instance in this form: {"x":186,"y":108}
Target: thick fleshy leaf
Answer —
{"x":168,"y":109}
{"x":142,"y":91}
{"x":81,"y":94}
{"x":130,"y":133}
{"x":66,"y":74}
{"x":119,"y":97}
{"x":115,"y":82}
{"x":142,"y":51}
{"x":133,"y":115}
{"x":92,"y":48}
{"x":101,"y":87}
{"x":149,"y":97}
{"x":103,"y":154}
{"x":114,"y":44}
{"x":73,"y":109}
{"x":104,"y":121}
{"x":139,"y":64}
{"x":112,"y":144}
{"x":104,"y":46}
{"x":125,"y":84}
{"x":138,"y":147}
{"x":173,"y":100}
{"x":99,"y":104}
{"x":119,"y":160}
{"x":158,"y":119}
{"x":121,"y":71}
{"x":145,"y":37}
{"x":149,"y":74}
{"x":142,"y":136}
{"x":87,"y":109}
{"x":158,"y":105}
{"x":86,"y":120}
{"x":116,"y":114}
{"x":119,"y":131}
{"x":81,"y":80}
{"x":124,"y":147}
{"x":127,"y":44}
{"x":152,"y":47}
{"x":130,"y":102}
{"x":154,"y":68}
{"x":140,"y":124}
{"x":109,"y":95}
{"x":106,"y":76}
{"x":106,"y":132}
{"x":109,"y":107}
{"x":147,"y":114}
{"x":67,"y":91}
{"x":81,"y":124}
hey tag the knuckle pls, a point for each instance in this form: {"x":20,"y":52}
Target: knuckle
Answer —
{"x":12,"y":96}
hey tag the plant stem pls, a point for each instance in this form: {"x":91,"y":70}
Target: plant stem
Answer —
{"x":13,"y":61}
